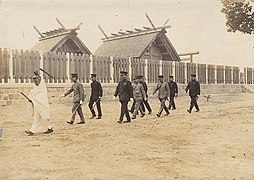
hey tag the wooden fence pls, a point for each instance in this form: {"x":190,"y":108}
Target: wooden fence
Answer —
{"x":17,"y":66}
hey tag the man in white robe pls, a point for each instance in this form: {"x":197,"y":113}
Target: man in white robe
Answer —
{"x":38,"y":108}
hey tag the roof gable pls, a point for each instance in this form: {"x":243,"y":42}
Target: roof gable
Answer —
{"x":132,"y":46}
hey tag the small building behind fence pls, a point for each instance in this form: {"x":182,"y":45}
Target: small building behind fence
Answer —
{"x":61,"y":40}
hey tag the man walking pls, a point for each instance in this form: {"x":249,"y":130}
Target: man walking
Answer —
{"x":145,"y":102}
{"x":163,"y":95}
{"x":194,"y":91}
{"x":38,"y":107}
{"x":124,"y":90}
{"x":138,"y":96}
{"x":96,"y":95}
{"x":78,"y":99}
{"x":173,"y":92}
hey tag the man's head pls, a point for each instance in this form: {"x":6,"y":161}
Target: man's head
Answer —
{"x":136,"y":79}
{"x":141,"y":77}
{"x":161,"y":78}
{"x":123,"y":75}
{"x":193,"y":77}
{"x":171,"y":78}
{"x":74,"y":77}
{"x":37,"y":78}
{"x":93,"y":77}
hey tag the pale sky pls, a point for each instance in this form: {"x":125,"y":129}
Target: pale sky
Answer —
{"x":197,"y":25}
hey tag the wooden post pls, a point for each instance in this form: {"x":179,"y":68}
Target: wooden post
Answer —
{"x":68,"y":68}
{"x":111,"y":70}
{"x":245,"y":75}
{"x":91,"y":64}
{"x":130,"y":70}
{"x":174,"y":69}
{"x":185,"y":73}
{"x":224,"y":73}
{"x":206,"y":74}
{"x":232,"y":75}
{"x":160,"y":68}
{"x":215,"y":74}
{"x":11,"y":80}
{"x":146,"y":71}
{"x":41,"y":66}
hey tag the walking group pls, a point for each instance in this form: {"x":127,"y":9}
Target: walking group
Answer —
{"x":137,"y":92}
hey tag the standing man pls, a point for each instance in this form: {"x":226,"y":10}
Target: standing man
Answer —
{"x":173,"y":92}
{"x":148,"y":107}
{"x":163,"y":95}
{"x":124,"y":90}
{"x":38,"y":107}
{"x":194,"y":91}
{"x":138,"y":95}
{"x":96,"y":95}
{"x":78,"y":99}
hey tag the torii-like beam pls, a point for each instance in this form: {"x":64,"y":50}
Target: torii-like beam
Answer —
{"x":150,"y":21}
{"x":38,"y":31}
{"x":103,"y":32}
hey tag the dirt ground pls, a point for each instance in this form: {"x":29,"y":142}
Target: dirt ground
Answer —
{"x":215,"y":143}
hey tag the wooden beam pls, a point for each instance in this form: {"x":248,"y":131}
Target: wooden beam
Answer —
{"x":38,"y":31}
{"x":165,"y":22}
{"x":59,"y":22}
{"x":136,"y":29}
{"x":129,"y":31}
{"x":122,"y":33}
{"x":147,"y":28}
{"x":150,"y":21}
{"x":188,"y":54}
{"x":103,"y":32}
{"x":114,"y":34}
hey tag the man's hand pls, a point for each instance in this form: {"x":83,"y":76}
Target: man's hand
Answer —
{"x":145,"y":99}
{"x":168,"y":98}
{"x":176,"y":95}
{"x":114,"y":98}
{"x":81,"y":102}
{"x":131,"y":99}
{"x":100,"y":97}
{"x":197,"y":98}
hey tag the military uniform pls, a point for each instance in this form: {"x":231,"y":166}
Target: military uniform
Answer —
{"x":138,"y":96}
{"x":96,"y":94}
{"x":173,"y":91}
{"x":124,"y":90}
{"x":145,"y":102}
{"x":78,"y":96}
{"x":163,"y":94}
{"x":194,"y":91}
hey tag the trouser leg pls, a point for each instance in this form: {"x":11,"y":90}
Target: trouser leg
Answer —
{"x":91,"y":102}
{"x":148,"y":107}
{"x":74,"y":111}
{"x":142,"y":106}
{"x":99,"y":108}
{"x":193,"y":102}
{"x":80,"y":113}
{"x":133,"y":106}
{"x":126,"y":111}
{"x":163,"y":104}
{"x":172,"y":102}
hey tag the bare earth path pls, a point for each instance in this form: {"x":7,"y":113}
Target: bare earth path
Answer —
{"x":217,"y":142}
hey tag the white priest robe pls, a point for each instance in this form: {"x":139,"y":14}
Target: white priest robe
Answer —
{"x":39,"y":109}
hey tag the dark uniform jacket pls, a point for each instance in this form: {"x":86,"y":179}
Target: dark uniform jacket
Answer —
{"x":193,"y":87}
{"x":145,"y":87}
{"x":78,"y":91}
{"x":173,"y":88}
{"x":125,"y":90}
{"x":96,"y":90}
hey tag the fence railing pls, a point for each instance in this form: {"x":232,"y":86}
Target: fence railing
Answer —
{"x":17,"y":66}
